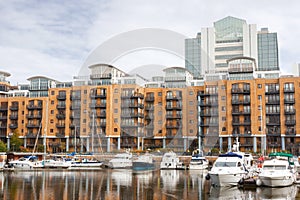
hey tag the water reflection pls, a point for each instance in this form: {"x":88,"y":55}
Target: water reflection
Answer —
{"x":126,"y":184}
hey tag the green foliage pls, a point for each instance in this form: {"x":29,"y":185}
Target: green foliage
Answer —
{"x":15,"y":141}
{"x":2,"y":146}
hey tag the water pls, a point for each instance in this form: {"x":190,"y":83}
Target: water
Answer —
{"x":125,"y":184}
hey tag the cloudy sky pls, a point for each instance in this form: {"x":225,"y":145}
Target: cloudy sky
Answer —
{"x":54,"y":38}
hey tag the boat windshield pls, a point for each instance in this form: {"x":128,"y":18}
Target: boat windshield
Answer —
{"x":276,"y":167}
{"x":225,"y":164}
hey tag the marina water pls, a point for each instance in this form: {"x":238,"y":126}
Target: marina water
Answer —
{"x":126,"y":184}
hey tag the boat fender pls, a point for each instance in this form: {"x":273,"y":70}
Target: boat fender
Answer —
{"x":207,"y":177}
{"x":241,"y":181}
{"x":258,"y":182}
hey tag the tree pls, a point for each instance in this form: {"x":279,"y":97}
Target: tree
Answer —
{"x":2,"y":146}
{"x":15,"y":141}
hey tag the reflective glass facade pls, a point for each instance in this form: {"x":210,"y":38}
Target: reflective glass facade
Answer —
{"x":193,"y":56}
{"x":267,"y":51}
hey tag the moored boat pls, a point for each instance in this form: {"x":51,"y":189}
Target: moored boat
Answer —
{"x":120,"y":161}
{"x":198,"y":162}
{"x":277,"y":172}
{"x":26,"y":163}
{"x":85,"y":163}
{"x":171,"y":161}
{"x":143,"y":162}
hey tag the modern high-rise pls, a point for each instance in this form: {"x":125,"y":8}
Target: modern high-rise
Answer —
{"x":230,"y":38}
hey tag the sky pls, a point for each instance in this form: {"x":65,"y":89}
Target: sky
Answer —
{"x":54,"y":38}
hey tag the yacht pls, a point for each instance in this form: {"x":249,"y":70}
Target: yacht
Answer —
{"x":26,"y":163}
{"x":56,"y":163}
{"x":231,"y":168}
{"x":143,"y":162}
{"x":122,"y":160}
{"x":171,"y":161}
{"x":277,"y":172}
{"x":199,"y":162}
{"x":85,"y":163}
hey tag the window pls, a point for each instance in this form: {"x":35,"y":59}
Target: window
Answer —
{"x":223,"y":98}
{"x":85,"y":91}
{"x":116,"y":91}
{"x":51,"y":130}
{"x":259,"y":86}
{"x":115,"y":111}
{"x":223,"y":118}
{"x":159,"y":94}
{"x":52,"y":112}
{"x":116,"y":100}
{"x":116,"y":120}
{"x":191,"y":130}
{"x":52,"y":92}
{"x":84,"y":121}
{"x":191,"y":121}
{"x":115,"y":129}
{"x":160,"y":113}
{"x":191,"y":112}
{"x":191,"y":103}
{"x":159,"y":122}
{"x":223,"y":128}
{"x":259,"y":97}
{"x":191,"y":93}
{"x":223,"y":108}
{"x":259,"y":118}
{"x":52,"y":102}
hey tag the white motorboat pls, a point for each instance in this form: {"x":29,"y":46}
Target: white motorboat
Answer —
{"x":85,"y":163}
{"x":143,"y":162}
{"x":59,"y":163}
{"x":171,"y":161}
{"x":198,"y":162}
{"x":229,"y":169}
{"x":120,"y":161}
{"x":277,"y":172}
{"x":26,"y":163}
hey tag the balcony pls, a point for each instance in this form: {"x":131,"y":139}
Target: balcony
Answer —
{"x":13,"y":126}
{"x":33,"y":125}
{"x":3,"y":117}
{"x":273,"y":113}
{"x":290,"y":112}
{"x":274,"y":134}
{"x":290,"y":133}
{"x":290,"y":122}
{"x":75,"y":116}
{"x":273,"y":123}
{"x":61,"y":97}
{"x":14,"y":108}
{"x":58,"y":125}
{"x":97,"y":105}
{"x":75,"y":107}
{"x":289,"y":90}
{"x":75,"y":97}
{"x":60,"y":116}
{"x":136,"y":105}
{"x":98,"y":96}
{"x":274,"y":145}
{"x":30,"y":116}
{"x":289,"y":101}
{"x":272,"y":91}
{"x":61,"y":106}
{"x":172,"y":116}
{"x":273,"y":102}
{"x":3,"y":108}
{"x":60,"y":135}
{"x":149,"y":98}
{"x":240,"y":91}
{"x":238,"y":102}
{"x":35,"y":107}
{"x":13,"y":117}
{"x":173,"y":107}
{"x":137,"y":96}
{"x":31,"y":135}
{"x":173,"y":98}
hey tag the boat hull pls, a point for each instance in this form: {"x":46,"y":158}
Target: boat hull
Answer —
{"x":142,"y":166}
{"x":277,"y":181}
{"x":228,"y":179}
